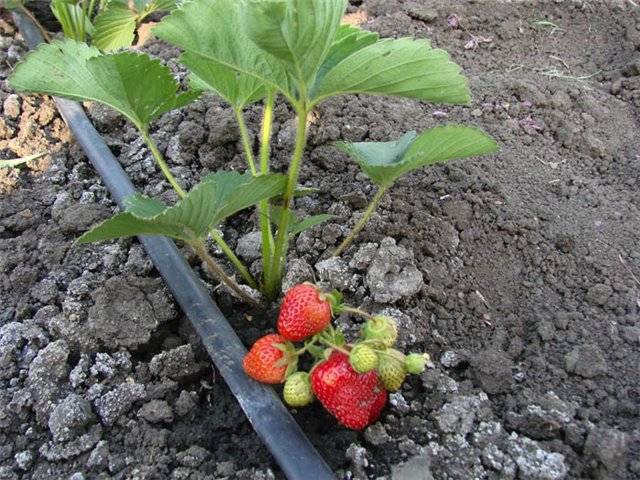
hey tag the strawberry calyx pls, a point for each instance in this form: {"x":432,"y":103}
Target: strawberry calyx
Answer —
{"x":290,"y":358}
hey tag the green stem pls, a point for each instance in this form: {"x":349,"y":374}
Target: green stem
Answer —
{"x":233,"y":258}
{"x":246,"y":141}
{"x":361,"y":223}
{"x":92,"y":6}
{"x":201,"y":250}
{"x":334,"y":346}
{"x":355,"y":311}
{"x":282,"y":239}
{"x":242,"y":269}
{"x":263,"y":207}
{"x":162,"y":164}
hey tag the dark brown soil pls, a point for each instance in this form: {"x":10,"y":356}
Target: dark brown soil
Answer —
{"x":529,"y":305}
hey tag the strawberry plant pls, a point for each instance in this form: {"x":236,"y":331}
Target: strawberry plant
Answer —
{"x":351,"y":380}
{"x":254,"y":49}
{"x":249,"y":51}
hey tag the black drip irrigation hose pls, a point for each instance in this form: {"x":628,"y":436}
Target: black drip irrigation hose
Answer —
{"x":273,"y":423}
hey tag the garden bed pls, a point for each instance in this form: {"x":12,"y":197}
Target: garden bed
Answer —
{"x":517,"y":272}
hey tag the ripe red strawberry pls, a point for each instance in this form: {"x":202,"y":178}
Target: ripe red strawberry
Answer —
{"x":356,"y":400}
{"x":269,"y":359}
{"x":305,"y":311}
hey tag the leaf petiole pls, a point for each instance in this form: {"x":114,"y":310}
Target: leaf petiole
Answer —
{"x":263,"y":208}
{"x":246,"y":141}
{"x":201,"y":250}
{"x":215,"y":235}
{"x":373,"y":205}
{"x":161,"y":162}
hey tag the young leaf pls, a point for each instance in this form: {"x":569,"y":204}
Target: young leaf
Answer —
{"x":114,"y":27}
{"x":215,"y":30}
{"x":295,"y":224}
{"x":137,"y":86}
{"x":75,"y":24}
{"x":218,"y":196}
{"x":403,"y":67}
{"x":298,"y":32}
{"x":239,"y":89}
{"x":384,"y":162}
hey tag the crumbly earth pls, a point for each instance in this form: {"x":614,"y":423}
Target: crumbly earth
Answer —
{"x":519,"y":272}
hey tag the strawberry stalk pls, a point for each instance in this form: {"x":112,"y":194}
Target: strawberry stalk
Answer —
{"x":275,"y":272}
{"x":264,"y":206}
{"x":342,"y":308}
{"x":246,"y":141}
{"x":361,"y":223}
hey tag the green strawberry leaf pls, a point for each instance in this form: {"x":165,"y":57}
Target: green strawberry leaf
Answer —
{"x":142,"y":206}
{"x":239,"y":89}
{"x":384,"y":162}
{"x":403,"y":67}
{"x":217,"y":197}
{"x":137,"y":86}
{"x":116,"y":24}
{"x":309,"y":222}
{"x":297,"y":32}
{"x":215,"y":30}
{"x":150,"y":6}
{"x":348,"y":40}
{"x":114,"y":27}
{"x":297,"y":225}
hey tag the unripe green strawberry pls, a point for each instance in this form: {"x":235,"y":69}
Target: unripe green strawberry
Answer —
{"x":297,"y":390}
{"x":363,"y":358}
{"x":381,"y":328}
{"x":391,"y":369}
{"x":415,"y":363}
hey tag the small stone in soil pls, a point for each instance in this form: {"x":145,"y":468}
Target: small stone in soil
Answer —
{"x":11,"y":106}
{"x":249,"y":246}
{"x":178,"y":364}
{"x":118,"y":401}
{"x":156,"y":411}
{"x":335,"y":272}
{"x":586,"y":360}
{"x":69,"y":418}
{"x":392,"y":274}
{"x":193,"y":457}
{"x":610,"y":446}
{"x":186,"y":403}
{"x":298,"y":271}
{"x":492,"y":370}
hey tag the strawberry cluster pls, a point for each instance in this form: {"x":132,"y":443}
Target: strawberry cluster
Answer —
{"x":351,"y":380}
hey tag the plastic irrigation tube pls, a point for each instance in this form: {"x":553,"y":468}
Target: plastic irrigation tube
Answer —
{"x":293,"y":451}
